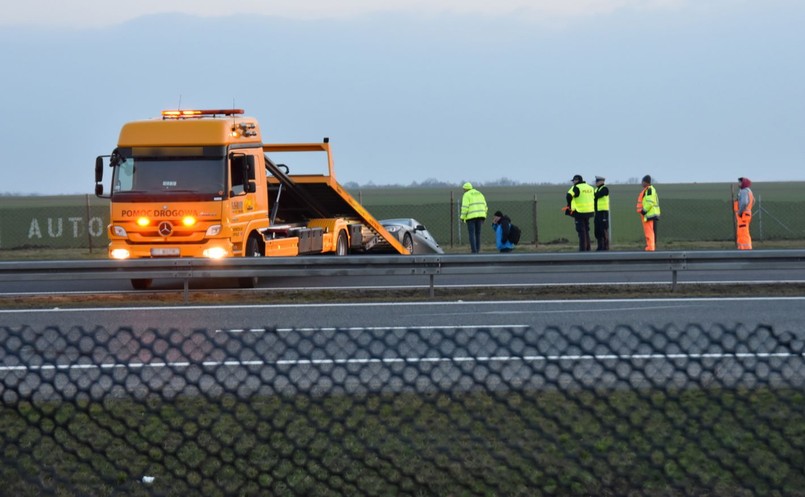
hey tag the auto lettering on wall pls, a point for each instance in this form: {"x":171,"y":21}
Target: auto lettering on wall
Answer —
{"x":60,"y":227}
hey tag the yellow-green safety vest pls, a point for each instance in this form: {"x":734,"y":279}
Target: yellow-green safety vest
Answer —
{"x":650,"y":202}
{"x":603,"y":202}
{"x":585,"y":202}
{"x":473,"y":205}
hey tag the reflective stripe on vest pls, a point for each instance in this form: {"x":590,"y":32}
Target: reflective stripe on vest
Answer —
{"x":602,"y":202}
{"x":585,"y":202}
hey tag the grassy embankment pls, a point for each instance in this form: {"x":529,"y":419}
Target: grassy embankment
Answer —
{"x":694,"y":442}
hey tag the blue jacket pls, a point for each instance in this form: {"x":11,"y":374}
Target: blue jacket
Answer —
{"x":499,"y":238}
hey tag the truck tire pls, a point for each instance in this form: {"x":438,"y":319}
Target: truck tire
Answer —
{"x":342,"y":244}
{"x":252,"y":250}
{"x":141,"y":283}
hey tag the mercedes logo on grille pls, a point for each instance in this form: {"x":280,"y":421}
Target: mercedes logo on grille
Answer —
{"x":165,"y":228}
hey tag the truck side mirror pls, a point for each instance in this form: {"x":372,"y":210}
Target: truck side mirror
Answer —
{"x":99,"y":175}
{"x":99,"y":169}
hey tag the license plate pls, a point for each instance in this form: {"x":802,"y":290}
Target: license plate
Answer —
{"x":165,"y":252}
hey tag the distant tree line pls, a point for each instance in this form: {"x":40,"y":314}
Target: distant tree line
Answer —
{"x":435,"y":183}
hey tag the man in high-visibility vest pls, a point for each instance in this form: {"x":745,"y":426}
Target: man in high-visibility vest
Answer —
{"x":473,"y":212}
{"x":581,"y":205}
{"x":648,"y":206}
{"x":742,"y":207}
{"x":601,"y":222}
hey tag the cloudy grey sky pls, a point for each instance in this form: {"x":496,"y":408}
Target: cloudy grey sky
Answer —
{"x":408,"y":90}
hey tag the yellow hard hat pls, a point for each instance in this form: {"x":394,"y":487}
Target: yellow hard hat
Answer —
{"x":468,"y":186}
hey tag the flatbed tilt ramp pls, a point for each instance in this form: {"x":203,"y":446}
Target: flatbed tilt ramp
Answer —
{"x":300,"y":197}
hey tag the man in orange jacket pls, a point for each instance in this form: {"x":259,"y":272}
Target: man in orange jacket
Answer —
{"x":648,"y":206}
{"x":742,"y":207}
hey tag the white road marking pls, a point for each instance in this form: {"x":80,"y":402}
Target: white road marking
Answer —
{"x":371,"y":328}
{"x":396,"y":360}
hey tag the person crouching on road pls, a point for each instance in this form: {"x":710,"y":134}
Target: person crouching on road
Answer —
{"x":501,"y":224}
{"x":742,"y":207}
{"x":601,"y":221}
{"x":580,"y":204}
{"x":648,"y":206}
{"x":473,"y":212}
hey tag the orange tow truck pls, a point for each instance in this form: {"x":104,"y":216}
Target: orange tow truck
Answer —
{"x":201,"y":183}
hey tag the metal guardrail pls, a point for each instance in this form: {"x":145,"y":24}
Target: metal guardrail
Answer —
{"x":395,"y":265}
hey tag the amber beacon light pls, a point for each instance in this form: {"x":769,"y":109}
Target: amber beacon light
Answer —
{"x":189,"y":113}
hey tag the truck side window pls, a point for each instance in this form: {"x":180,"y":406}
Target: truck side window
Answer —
{"x":124,"y":179}
{"x":236,"y":174}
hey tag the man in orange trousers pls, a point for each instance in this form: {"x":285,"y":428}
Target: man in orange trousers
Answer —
{"x":648,"y":206}
{"x":742,"y":207}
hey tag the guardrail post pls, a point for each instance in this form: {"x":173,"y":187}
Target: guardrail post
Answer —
{"x":673,"y":279}
{"x":186,"y":291}
{"x":431,"y":291}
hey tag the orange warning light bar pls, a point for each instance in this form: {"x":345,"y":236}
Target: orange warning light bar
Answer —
{"x":179,"y":114}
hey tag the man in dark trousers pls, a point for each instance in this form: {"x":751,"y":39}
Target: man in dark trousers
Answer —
{"x":580,"y":205}
{"x":601,"y":213}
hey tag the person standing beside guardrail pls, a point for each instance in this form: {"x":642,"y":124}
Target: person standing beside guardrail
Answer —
{"x":742,"y":206}
{"x":473,"y":212}
{"x":648,"y":206}
{"x":601,"y":220}
{"x":581,"y":205}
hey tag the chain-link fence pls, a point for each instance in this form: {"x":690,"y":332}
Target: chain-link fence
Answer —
{"x":81,"y":221}
{"x":512,"y":411}
{"x":682,"y":220}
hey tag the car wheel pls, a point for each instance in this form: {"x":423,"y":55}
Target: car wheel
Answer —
{"x":408,"y":243}
{"x":341,"y":245}
{"x":141,"y":283}
{"x":252,"y":250}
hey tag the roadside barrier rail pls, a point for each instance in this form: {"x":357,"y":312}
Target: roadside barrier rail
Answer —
{"x":187,"y":269}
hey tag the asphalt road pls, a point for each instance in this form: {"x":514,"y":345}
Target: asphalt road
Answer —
{"x":777,"y":313}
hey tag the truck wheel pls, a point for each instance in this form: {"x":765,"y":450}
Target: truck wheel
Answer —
{"x":342,"y":245}
{"x":408,"y":243}
{"x":252,"y":250}
{"x":141,"y":283}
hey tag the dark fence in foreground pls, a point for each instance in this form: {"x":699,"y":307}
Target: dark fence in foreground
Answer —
{"x":501,"y":411}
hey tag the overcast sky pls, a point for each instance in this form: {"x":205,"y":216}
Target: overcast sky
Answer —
{"x":454,"y":90}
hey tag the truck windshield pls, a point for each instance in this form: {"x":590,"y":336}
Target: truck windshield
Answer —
{"x":187,"y":172}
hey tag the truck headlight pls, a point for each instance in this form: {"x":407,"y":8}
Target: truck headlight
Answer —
{"x":215,"y":252}
{"x":213,"y":230}
{"x":120,"y":253}
{"x":119,"y":231}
